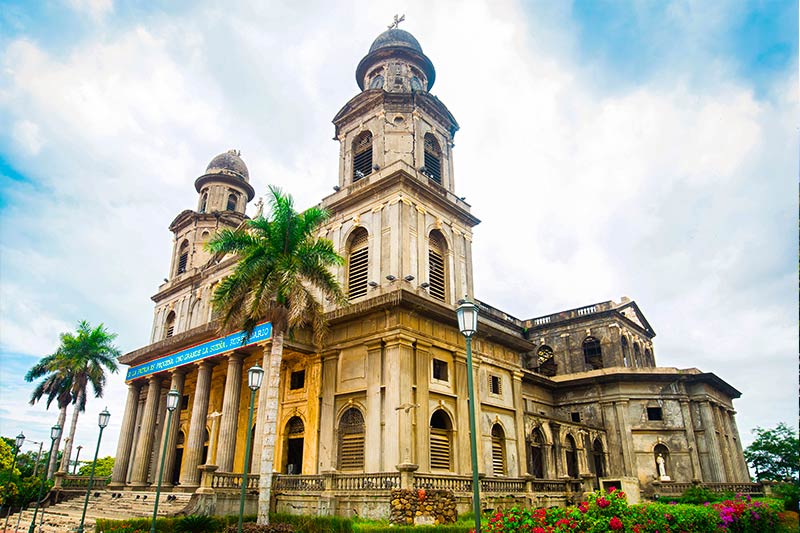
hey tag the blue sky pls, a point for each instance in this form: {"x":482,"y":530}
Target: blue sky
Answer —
{"x":645,"y":149}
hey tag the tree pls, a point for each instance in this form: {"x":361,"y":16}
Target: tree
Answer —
{"x":103,"y":469}
{"x":775,"y":454}
{"x":84,"y":357}
{"x":282,"y":268}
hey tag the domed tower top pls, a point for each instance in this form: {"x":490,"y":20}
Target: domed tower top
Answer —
{"x":225,"y":184}
{"x":395,"y":63}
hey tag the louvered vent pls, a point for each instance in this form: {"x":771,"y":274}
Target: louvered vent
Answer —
{"x":351,"y":441}
{"x":436,"y":274}
{"x":433,"y":158}
{"x":358,"y":267}
{"x":440,"y":449}
{"x":183,"y":260}
{"x":498,"y":454}
{"x":362,"y":156}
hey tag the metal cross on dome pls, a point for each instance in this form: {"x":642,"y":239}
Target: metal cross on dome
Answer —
{"x":397,"y":21}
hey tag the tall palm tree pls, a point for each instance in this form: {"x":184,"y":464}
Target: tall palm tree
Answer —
{"x":79,"y":361}
{"x":283,"y":266}
{"x":85,"y":358}
{"x":55,"y":387}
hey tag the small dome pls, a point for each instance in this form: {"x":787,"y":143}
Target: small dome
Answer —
{"x":395,"y":37}
{"x":229,"y":163}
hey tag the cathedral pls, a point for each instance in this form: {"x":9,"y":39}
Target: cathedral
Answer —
{"x":565,"y":402}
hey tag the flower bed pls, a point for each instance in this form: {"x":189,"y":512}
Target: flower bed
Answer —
{"x":604,"y":512}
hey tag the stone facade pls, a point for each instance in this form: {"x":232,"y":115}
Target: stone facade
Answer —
{"x":565,"y":401}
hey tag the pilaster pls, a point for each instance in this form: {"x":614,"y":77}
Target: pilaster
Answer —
{"x":373,"y":438}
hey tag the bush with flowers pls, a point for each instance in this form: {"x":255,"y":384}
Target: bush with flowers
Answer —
{"x":609,"y":511}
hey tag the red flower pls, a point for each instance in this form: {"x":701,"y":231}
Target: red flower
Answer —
{"x":615,"y":523}
{"x":602,"y":503}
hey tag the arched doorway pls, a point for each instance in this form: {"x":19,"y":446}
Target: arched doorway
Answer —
{"x":571,"y":456}
{"x":598,"y":459}
{"x":295,"y":431}
{"x":498,"y":450}
{"x":536,"y":454}
{"x":351,"y":440}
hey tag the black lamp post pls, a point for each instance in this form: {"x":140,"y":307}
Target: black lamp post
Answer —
{"x":20,"y":440}
{"x":102,"y":421}
{"x":173,"y":397}
{"x":55,"y":434}
{"x":75,"y":468}
{"x":254,"y":377}
{"x":467,"y":314}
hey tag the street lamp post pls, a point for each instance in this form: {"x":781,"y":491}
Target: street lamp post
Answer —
{"x":173,"y":397}
{"x":20,"y":440}
{"x":467,"y":314}
{"x":55,"y":434}
{"x":254,"y":377}
{"x":75,"y":468}
{"x":102,"y":421}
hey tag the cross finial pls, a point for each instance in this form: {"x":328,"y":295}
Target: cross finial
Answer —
{"x":397,"y":21}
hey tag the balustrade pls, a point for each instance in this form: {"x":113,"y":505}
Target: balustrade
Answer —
{"x":503,"y":485}
{"x":82,"y":482}
{"x":380,"y":481}
{"x":230,"y":480}
{"x":434,"y":482}
{"x":298,"y":483}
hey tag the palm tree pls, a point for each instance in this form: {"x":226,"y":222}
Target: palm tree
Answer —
{"x":79,"y":361}
{"x":55,"y":387}
{"x":283,"y":266}
{"x":85,"y":356}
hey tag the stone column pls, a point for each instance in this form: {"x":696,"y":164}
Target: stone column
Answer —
{"x":327,"y":412}
{"x":712,"y":443}
{"x":690,"y":439}
{"x":727,"y":451}
{"x":193,"y":449}
{"x":230,"y":413}
{"x":261,"y":398}
{"x":178,"y":379}
{"x":372,"y":421}
{"x":519,"y":422}
{"x":144,"y":447}
{"x":744,"y":472}
{"x":399,"y":353}
{"x":158,"y":433}
{"x":125,"y":443}
{"x":421,"y":415}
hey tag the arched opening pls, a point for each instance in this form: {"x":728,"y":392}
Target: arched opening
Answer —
{"x":376,"y":82}
{"x":169,"y":325}
{"x":662,"y":459}
{"x":536,"y":454}
{"x":571,"y":456}
{"x":598,"y":458}
{"x":441,"y":441}
{"x":357,"y":264}
{"x":351,"y":440}
{"x":176,"y":467}
{"x":362,"y":156}
{"x":547,"y":363}
{"x":648,"y":357}
{"x":433,"y":158}
{"x":437,"y":269}
{"x":295,"y":431}
{"x":233,"y":199}
{"x":204,"y":202}
{"x":637,"y":354}
{"x":592,"y":354}
{"x":183,"y":257}
{"x":626,"y":351}
{"x":498,"y":450}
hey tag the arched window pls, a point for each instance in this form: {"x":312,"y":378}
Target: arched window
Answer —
{"x":204,"y":202}
{"x":351,"y":440}
{"x":183,"y":257}
{"x":637,"y":354}
{"x":233,"y":199}
{"x":376,"y":82}
{"x":362,"y":156}
{"x":295,"y":431}
{"x":437,"y":274}
{"x":441,"y":441}
{"x":357,"y":264}
{"x":598,"y":458}
{"x":648,"y":357}
{"x":169,"y":325}
{"x":498,"y":450}
{"x":433,"y":158}
{"x":661,"y":457}
{"x":536,"y":454}
{"x":591,"y":353}
{"x":547,"y":363}
{"x":626,"y":351}
{"x":571,"y":456}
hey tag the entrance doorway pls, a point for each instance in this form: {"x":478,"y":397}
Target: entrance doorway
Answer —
{"x":295,"y":431}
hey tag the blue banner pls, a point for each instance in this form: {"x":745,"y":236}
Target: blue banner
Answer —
{"x":211,"y":348}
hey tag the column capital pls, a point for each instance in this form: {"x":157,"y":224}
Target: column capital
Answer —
{"x":373,"y":345}
{"x":177,"y":371}
{"x":399,"y":339}
{"x":155,"y":378}
{"x":423,"y":345}
{"x":236,"y":355}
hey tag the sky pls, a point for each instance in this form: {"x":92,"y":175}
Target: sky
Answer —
{"x":610,"y":148}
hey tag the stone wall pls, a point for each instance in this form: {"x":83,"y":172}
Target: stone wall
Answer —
{"x":418,"y":506}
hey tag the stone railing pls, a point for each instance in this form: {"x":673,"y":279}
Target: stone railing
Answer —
{"x":434,"y":482}
{"x":677,"y":488}
{"x":548,"y":486}
{"x":299,"y":483}
{"x":380,"y":481}
{"x":69,"y":482}
{"x":503,"y":485}
{"x":230,"y":480}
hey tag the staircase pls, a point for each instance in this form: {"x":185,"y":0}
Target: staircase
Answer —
{"x":66,"y":516}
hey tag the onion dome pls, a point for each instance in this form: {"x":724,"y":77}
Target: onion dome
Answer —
{"x":227,"y":168}
{"x":395,"y":37}
{"x":393,"y":44}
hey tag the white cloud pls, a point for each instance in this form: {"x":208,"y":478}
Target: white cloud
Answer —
{"x":27,"y":136}
{"x":96,"y":9}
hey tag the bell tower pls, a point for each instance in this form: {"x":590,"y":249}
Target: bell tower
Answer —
{"x":396,"y":217}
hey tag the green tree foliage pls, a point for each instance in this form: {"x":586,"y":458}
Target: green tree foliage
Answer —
{"x":775,"y":454}
{"x":6,"y":460}
{"x":104,"y":467}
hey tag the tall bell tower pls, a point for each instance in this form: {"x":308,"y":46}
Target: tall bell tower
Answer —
{"x":396,"y":217}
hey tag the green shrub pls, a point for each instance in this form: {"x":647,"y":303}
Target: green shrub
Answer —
{"x":445,"y":528}
{"x":256,"y":528}
{"x":135,"y":525}
{"x":197,"y":524}
{"x":697,"y":495}
{"x":789,"y":494}
{"x":314,"y":524}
